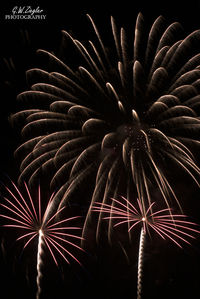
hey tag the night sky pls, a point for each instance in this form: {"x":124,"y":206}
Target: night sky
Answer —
{"x":108,"y":272}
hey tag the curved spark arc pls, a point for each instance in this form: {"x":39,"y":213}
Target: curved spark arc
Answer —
{"x":51,"y":232}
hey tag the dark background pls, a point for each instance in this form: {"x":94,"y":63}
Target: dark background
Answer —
{"x":108,"y":273}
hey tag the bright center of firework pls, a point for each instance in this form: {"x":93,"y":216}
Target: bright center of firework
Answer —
{"x":41,"y":232}
{"x":143,"y":219}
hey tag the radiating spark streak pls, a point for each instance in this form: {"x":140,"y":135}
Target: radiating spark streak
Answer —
{"x":115,"y":217}
{"x":39,"y":204}
{"x":57,"y":249}
{"x":98,"y":56}
{"x":130,"y":204}
{"x":184,"y":154}
{"x":64,"y":240}
{"x":133,"y":225}
{"x":16,"y":226}
{"x":69,"y":235}
{"x":159,"y":179}
{"x":161,"y":211}
{"x":23,"y":208}
{"x":189,"y":155}
{"x":30,"y":198}
{"x":116,"y":211}
{"x":99,"y":38}
{"x":83,"y":52}
{"x":62,"y":228}
{"x":147,"y":140}
{"x":157,"y":231}
{"x":121,"y":222}
{"x":175,"y":229}
{"x":30,"y":240}
{"x":63,"y":221}
{"x":24,"y":236}
{"x":18,"y":209}
{"x":47,"y":209}
{"x":29,"y":213}
{"x":16,"y":220}
{"x":186,"y":168}
{"x":167,"y":217}
{"x":108,"y":208}
{"x":167,"y":235}
{"x":140,"y":191}
{"x":63,"y":248}
{"x":171,"y":226}
{"x":149,"y":208}
{"x":111,"y":88}
{"x":14,"y":212}
{"x":146,"y":185}
{"x":69,"y":253}
{"x":134,"y":211}
{"x":51,"y":252}
{"x":58,"y":212}
{"x":172,"y":192}
{"x":163,"y":228}
{"x":179,"y":221}
{"x":141,"y":208}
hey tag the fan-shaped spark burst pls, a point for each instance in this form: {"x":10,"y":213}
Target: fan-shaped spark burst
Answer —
{"x":163,"y":222}
{"x":25,"y":217}
{"x":126,"y":116}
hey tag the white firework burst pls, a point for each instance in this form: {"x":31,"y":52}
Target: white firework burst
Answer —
{"x":125,"y":116}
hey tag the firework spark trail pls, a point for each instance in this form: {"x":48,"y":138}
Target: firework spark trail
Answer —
{"x":24,"y":216}
{"x":151,"y":118}
{"x":39,"y":263}
{"x":140,"y":263}
{"x":163,"y":222}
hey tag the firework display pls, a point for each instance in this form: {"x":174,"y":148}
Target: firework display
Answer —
{"x":103,"y":127}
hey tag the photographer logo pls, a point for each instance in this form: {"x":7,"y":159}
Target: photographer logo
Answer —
{"x":26,"y":13}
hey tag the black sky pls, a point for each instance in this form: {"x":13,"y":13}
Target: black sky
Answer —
{"x":110,"y":275}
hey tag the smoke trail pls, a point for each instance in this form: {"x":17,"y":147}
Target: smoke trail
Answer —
{"x":39,"y":263}
{"x":140,"y":263}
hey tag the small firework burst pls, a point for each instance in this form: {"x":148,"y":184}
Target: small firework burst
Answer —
{"x":54,"y":234}
{"x":163,"y":222}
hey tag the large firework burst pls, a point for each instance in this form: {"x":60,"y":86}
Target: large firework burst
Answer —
{"x":122,"y":118}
